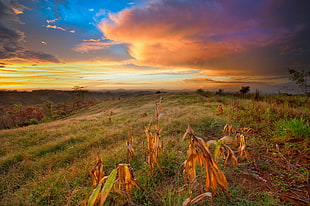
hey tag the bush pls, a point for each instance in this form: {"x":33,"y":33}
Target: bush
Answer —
{"x":31,"y":121}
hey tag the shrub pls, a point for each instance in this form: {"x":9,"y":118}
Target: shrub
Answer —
{"x":31,"y":121}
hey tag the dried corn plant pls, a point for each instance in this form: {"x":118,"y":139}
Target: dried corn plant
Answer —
{"x":102,"y":190}
{"x":154,"y":142}
{"x":239,"y":139}
{"x":245,"y":130}
{"x":220,"y":109}
{"x":199,"y":155}
{"x":222,"y":150}
{"x":243,"y":153}
{"x":228,"y":129}
{"x":189,"y":201}
{"x":96,"y":172}
{"x":121,"y":178}
{"x":126,"y":180}
{"x":129,"y":144}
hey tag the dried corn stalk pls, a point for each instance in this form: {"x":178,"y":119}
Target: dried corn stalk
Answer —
{"x":246,"y":130}
{"x":222,"y":150}
{"x":220,"y":109}
{"x":129,"y":143}
{"x":199,"y":154}
{"x":243,"y":153}
{"x":154,"y":142}
{"x":101,"y":192}
{"x":123,"y":180}
{"x":97,"y":172}
{"x":228,"y":129}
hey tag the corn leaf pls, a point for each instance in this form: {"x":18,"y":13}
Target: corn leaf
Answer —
{"x":200,"y":197}
{"x":93,"y":197}
{"x":108,"y":186}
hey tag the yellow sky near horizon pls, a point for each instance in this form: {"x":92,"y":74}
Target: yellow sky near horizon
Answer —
{"x":108,"y":75}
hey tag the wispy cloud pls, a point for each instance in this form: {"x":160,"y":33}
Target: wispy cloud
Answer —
{"x":91,"y":40}
{"x":93,"y":44}
{"x":55,"y":27}
{"x":51,"y":21}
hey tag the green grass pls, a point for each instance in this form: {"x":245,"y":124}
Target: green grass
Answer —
{"x":291,"y":130}
{"x":35,"y":161}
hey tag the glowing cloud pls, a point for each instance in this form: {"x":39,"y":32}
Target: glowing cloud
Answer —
{"x":201,"y":34}
{"x":17,"y":11}
{"x":55,"y":27}
{"x":51,"y":21}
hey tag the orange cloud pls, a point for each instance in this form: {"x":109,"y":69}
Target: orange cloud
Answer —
{"x":55,"y":27}
{"x":197,"y":34}
{"x":17,"y":11}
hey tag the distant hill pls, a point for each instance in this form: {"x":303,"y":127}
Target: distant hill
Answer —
{"x":59,"y":96}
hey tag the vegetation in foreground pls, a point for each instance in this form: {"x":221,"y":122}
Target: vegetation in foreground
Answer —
{"x":49,"y":163}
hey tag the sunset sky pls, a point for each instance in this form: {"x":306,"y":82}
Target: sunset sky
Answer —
{"x":153,"y":44}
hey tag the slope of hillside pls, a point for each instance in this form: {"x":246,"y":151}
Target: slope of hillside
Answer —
{"x":59,"y":96}
{"x":49,"y":163}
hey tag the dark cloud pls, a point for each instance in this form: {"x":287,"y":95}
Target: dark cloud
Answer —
{"x":36,"y":56}
{"x":229,"y":81}
{"x":11,"y":39}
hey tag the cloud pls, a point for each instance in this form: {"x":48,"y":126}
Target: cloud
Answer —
{"x":92,"y":44}
{"x":37,"y":56}
{"x":91,"y":40}
{"x":59,"y":28}
{"x":55,"y":27}
{"x":11,"y":39}
{"x":51,"y":20}
{"x":237,"y":80}
{"x":209,"y":34}
{"x":17,"y":11}
{"x":226,"y":81}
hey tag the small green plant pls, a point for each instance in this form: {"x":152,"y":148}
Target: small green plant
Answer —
{"x":293,"y":130}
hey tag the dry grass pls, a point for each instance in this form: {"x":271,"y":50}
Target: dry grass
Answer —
{"x":49,"y":163}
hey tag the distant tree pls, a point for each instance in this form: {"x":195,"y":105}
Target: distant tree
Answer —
{"x":301,"y":78}
{"x":200,"y":91}
{"x":80,"y":92}
{"x":80,"y":95}
{"x":244,"y":89}
{"x":220,"y":92}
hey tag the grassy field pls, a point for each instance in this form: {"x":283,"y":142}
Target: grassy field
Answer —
{"x":49,"y":163}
